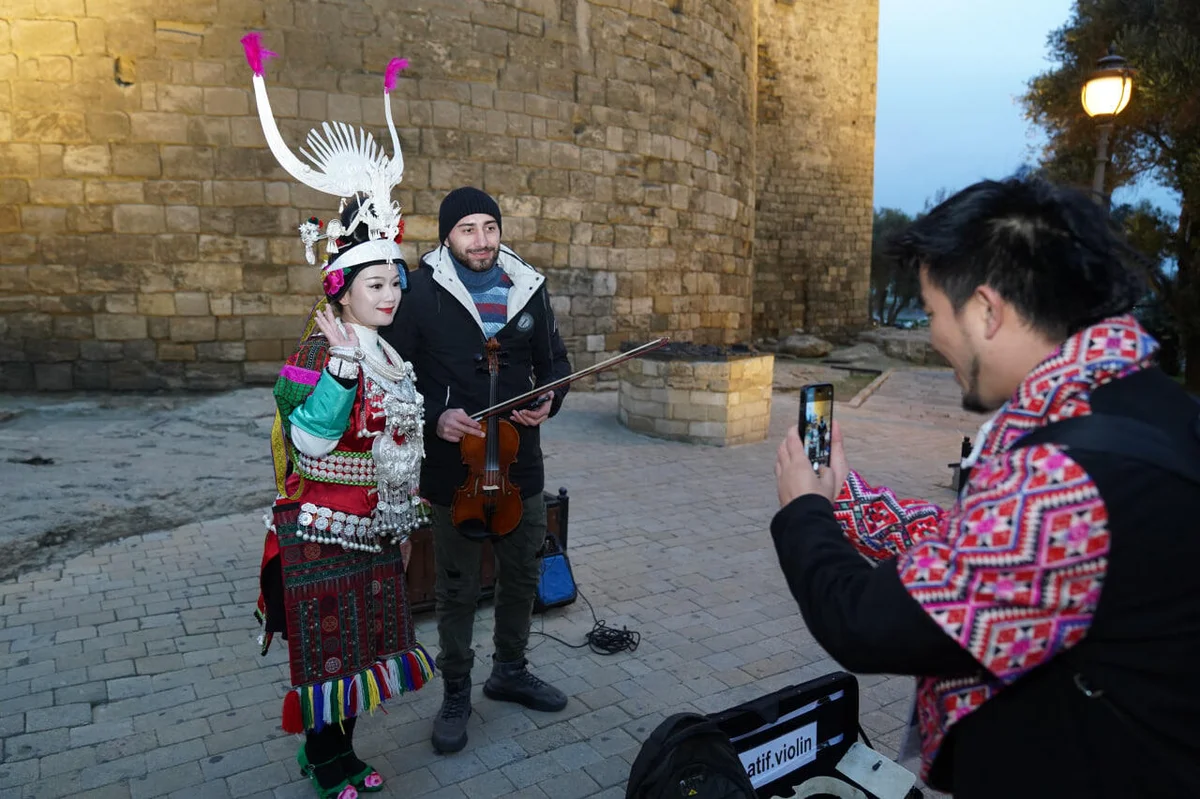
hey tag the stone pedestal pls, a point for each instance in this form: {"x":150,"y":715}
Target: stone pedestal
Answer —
{"x":719,"y":400}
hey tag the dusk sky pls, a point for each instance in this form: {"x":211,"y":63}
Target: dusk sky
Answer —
{"x":950,"y":73}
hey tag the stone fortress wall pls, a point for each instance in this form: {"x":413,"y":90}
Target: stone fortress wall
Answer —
{"x":695,"y":168}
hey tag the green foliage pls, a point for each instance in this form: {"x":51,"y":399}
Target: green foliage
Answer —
{"x":1157,"y":136}
{"x":892,"y":289}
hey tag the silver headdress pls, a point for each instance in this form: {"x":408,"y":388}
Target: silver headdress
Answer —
{"x":346,"y":162}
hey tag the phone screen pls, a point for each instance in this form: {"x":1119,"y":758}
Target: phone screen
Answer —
{"x":816,"y":421}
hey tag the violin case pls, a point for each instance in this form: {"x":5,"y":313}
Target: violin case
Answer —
{"x":803,"y":741}
{"x":421,"y":570}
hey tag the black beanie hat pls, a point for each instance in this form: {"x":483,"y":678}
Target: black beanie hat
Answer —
{"x":462,"y":202}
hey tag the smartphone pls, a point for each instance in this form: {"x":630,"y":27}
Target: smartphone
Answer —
{"x":816,"y":421}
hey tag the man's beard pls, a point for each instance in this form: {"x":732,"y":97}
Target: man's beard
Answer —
{"x":971,"y":401}
{"x":473,"y":263}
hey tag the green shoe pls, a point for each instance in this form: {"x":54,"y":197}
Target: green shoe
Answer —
{"x":367,"y":780}
{"x":343,"y":790}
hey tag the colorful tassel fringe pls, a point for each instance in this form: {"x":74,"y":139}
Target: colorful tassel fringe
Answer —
{"x":312,"y":707}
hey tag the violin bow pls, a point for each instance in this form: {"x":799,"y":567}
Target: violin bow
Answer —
{"x":515,"y":402}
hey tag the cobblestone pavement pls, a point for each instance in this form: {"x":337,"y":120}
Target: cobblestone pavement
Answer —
{"x":132,"y":670}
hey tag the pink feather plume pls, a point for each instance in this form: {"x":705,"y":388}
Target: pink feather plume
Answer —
{"x":256,"y":56}
{"x":394,"y":68}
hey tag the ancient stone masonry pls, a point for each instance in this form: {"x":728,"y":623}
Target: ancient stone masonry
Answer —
{"x":815,"y":165}
{"x":148,"y":238}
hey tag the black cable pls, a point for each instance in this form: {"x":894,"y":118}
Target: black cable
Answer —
{"x":602,"y":639}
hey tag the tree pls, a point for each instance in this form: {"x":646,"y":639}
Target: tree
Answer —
{"x":892,"y":288}
{"x":1157,"y":136}
{"x":1152,"y":232}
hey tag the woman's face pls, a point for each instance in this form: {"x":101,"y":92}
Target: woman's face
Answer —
{"x":373,"y":296}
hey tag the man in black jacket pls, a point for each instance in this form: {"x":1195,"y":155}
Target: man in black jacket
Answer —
{"x":1052,"y":615}
{"x":467,"y":291}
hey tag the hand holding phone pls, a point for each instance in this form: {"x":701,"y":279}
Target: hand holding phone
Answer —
{"x":816,"y":422}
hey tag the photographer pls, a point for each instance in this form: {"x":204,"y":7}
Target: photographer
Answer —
{"x":1052,"y":615}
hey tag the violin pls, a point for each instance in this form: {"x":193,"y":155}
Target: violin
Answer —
{"x":489,"y":504}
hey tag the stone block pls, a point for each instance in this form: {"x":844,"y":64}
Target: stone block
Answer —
{"x":191,"y":303}
{"x":56,"y":192}
{"x":156,"y":304}
{"x":90,"y":376}
{"x":170,"y":351}
{"x":139,"y":350}
{"x":119,"y":327}
{"x":113,"y":191}
{"x":43,"y":220}
{"x":54,"y":278}
{"x":224,"y":351}
{"x":157,"y":127}
{"x":53,"y":376}
{"x":189,"y":163}
{"x":16,"y":376}
{"x":260,"y":373}
{"x":107,"y":126}
{"x":92,"y":159}
{"x":193,"y":329}
{"x":138,"y":219}
{"x":39,"y":37}
{"x":251,"y":304}
{"x":230,"y":329}
{"x":19,"y":159}
{"x":220,"y":304}
{"x":182,"y":219}
{"x":182,"y":99}
{"x":90,"y":219}
{"x":121,"y":303}
{"x":210,"y":376}
{"x":73,"y":327}
{"x":272,"y":327}
{"x":136,"y":160}
{"x":176,"y":248}
{"x":266,"y":350}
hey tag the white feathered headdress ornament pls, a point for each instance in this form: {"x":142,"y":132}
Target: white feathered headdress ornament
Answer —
{"x":346,"y":162}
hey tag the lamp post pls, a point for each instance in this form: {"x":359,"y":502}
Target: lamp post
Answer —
{"x":1105,"y":94}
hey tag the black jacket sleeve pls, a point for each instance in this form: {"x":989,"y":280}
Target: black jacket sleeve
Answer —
{"x":550,"y":361}
{"x":859,"y":613}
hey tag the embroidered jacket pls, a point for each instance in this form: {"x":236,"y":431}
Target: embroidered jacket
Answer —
{"x":1008,"y":578}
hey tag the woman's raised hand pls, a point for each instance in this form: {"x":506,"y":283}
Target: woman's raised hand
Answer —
{"x":334,"y":330}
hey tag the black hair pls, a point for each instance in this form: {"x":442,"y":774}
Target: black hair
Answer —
{"x":1048,"y":249}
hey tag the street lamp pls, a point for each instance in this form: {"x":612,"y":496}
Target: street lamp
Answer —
{"x":1105,"y":94}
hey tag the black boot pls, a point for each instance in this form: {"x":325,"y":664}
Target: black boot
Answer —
{"x":318,"y":759}
{"x":362,"y":776}
{"x":513,"y":682}
{"x":450,"y":724}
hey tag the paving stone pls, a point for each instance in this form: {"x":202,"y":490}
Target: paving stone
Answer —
{"x":234,"y":761}
{"x":16,"y":774}
{"x":75,"y":715}
{"x":99,"y":733}
{"x":157,"y":625}
{"x":462,"y":766}
{"x":609,"y":771}
{"x":160,"y":782}
{"x":37,"y":744}
{"x":569,"y":786}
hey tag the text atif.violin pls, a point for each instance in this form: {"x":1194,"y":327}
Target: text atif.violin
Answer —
{"x":488,"y":503}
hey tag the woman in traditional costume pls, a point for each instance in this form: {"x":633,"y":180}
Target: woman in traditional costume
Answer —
{"x":348,"y":447}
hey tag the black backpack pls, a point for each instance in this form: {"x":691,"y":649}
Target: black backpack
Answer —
{"x":687,"y":755}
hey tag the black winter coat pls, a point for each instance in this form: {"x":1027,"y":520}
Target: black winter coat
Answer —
{"x":1042,"y":736}
{"x":436,"y":332}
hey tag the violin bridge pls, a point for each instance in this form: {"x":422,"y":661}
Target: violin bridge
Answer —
{"x":491,"y":489}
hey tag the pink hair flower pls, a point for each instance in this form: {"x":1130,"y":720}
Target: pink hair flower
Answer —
{"x":333,"y":282}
